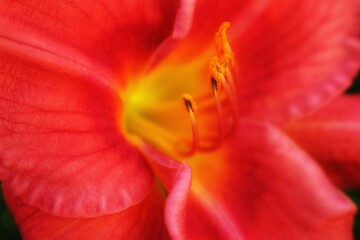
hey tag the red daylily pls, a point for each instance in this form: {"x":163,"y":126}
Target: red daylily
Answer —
{"x":91,"y":107}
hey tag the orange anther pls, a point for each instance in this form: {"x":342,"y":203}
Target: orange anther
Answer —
{"x":189,"y":102}
{"x":227,"y":60}
{"x":216,"y":73}
{"x":221,"y":40}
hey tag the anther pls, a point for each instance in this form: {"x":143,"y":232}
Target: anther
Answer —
{"x":189,"y":102}
{"x":216,"y":69}
{"x":191,"y":108}
{"x":218,"y":73}
{"x":221,"y":41}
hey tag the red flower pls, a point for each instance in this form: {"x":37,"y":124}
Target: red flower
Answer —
{"x":91,"y":106}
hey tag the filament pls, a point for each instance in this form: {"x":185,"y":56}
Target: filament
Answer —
{"x":191,"y":107}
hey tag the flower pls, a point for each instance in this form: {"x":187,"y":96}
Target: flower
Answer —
{"x":92,"y":105}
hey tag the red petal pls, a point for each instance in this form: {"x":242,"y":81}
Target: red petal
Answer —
{"x":142,"y":221}
{"x":61,"y":148}
{"x":332,"y":136}
{"x":176,"y":176}
{"x":262,"y":187}
{"x":182,"y":25}
{"x":296,"y":56}
{"x":176,"y":202}
{"x":210,"y":14}
{"x":199,"y":20}
{"x":115,"y":33}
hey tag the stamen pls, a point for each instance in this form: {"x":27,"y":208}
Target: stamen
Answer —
{"x":221,"y":41}
{"x":228,"y":61}
{"x":220,"y":117}
{"x":217,"y":71}
{"x":191,"y":108}
{"x":221,"y":76}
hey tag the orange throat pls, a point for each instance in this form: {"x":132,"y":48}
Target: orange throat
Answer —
{"x":182,"y":107}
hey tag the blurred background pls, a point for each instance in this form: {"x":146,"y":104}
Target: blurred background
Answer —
{"x":9,"y":231}
{"x":355,"y":194}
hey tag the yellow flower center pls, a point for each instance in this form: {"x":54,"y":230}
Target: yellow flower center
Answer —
{"x":184,"y":107}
